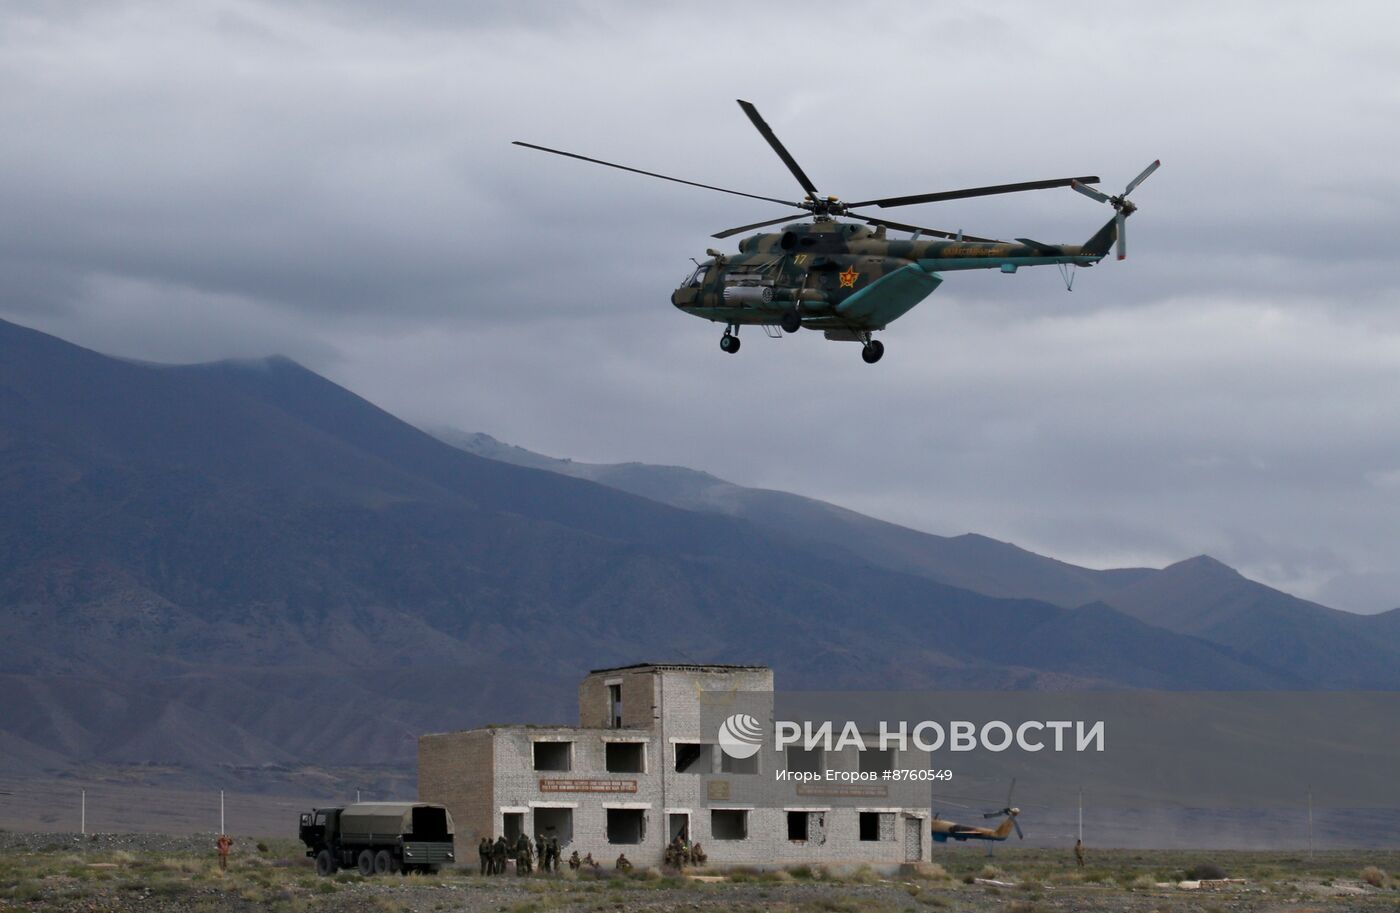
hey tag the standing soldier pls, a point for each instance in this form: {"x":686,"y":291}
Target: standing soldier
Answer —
{"x":539,"y":852}
{"x":498,"y":855}
{"x":223,"y":844}
{"x":522,"y":855}
{"x":1079,"y":852}
{"x":483,"y":849}
{"x":553,"y":850}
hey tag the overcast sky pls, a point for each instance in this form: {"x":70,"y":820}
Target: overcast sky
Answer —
{"x":194,"y":181}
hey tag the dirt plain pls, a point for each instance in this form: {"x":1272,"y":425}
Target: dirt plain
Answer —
{"x":151,"y":872}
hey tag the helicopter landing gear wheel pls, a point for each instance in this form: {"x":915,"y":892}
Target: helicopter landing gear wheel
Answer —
{"x":729,"y":342}
{"x":872,"y":351}
{"x":791,"y":321}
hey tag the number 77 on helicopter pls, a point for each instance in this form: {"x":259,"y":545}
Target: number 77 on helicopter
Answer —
{"x":849,"y":279}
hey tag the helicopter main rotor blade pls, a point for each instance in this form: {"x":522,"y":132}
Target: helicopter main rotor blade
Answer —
{"x":1091,"y":193}
{"x":778,"y":147}
{"x":900,"y":226}
{"x":1019,"y":833}
{"x":1122,"y":220}
{"x":1142,"y":177}
{"x":987,"y":191}
{"x":742,"y":228}
{"x":653,"y":174}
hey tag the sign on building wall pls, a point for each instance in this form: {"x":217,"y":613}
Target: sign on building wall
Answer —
{"x":587,"y":786}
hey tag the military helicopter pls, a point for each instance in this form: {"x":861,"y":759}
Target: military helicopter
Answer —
{"x":850,"y":280}
{"x":944,"y":830}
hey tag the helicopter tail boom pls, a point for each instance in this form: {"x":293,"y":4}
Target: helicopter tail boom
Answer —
{"x":1102,"y":241}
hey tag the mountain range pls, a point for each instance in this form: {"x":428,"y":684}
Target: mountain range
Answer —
{"x":242,"y":563}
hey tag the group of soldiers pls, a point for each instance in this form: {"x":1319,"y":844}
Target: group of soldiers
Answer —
{"x":544,"y":852}
{"x":680,"y":852}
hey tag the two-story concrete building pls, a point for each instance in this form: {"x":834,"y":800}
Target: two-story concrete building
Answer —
{"x":639,"y":769}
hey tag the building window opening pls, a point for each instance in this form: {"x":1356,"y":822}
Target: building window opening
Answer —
{"x":626,"y":825}
{"x":876,"y":826}
{"x":555,"y":822}
{"x":553,"y":755}
{"x":693,"y":758}
{"x":877,"y":760}
{"x":615,"y":706}
{"x":804,"y":760}
{"x":730,"y":765}
{"x":797,"y":825}
{"x":729,"y":823}
{"x":625,"y":757}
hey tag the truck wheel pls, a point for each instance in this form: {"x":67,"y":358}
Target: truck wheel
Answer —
{"x":366,"y":862}
{"x":325,"y":863}
{"x":383,"y":863}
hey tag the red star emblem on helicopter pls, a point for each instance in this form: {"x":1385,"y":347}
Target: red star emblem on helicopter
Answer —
{"x":848,"y":277}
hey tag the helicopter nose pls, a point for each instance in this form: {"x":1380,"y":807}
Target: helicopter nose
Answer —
{"x":684,"y":297}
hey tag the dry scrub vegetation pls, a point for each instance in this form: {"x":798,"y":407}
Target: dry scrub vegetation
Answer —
{"x":273,"y":875}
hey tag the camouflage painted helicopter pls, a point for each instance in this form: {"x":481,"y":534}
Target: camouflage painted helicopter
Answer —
{"x":850,"y":280}
{"x":944,"y":830}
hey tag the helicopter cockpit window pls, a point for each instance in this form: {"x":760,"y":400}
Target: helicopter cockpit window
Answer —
{"x":697,"y":277}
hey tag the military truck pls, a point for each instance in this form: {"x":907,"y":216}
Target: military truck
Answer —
{"x":378,"y":837}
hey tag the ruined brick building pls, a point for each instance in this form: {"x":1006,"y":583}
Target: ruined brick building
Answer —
{"x":639,"y":769}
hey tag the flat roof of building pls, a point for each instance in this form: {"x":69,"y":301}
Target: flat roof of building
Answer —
{"x":682,"y":667}
{"x":638,"y":731}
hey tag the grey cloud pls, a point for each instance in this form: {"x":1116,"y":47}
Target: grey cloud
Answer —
{"x":335,"y":182}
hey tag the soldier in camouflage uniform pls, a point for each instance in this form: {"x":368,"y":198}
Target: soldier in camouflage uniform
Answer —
{"x":499,"y":852}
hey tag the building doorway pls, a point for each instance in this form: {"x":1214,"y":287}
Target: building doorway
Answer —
{"x":913,"y":839}
{"x":678,"y":825}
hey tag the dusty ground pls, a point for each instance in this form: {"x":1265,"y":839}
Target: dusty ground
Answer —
{"x":158,"y":873}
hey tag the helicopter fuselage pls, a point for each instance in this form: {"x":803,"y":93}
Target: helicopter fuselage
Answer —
{"x":846,"y":278}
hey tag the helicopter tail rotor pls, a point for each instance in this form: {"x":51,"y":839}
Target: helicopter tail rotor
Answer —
{"x":1010,"y":811}
{"x":1122,"y":206}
